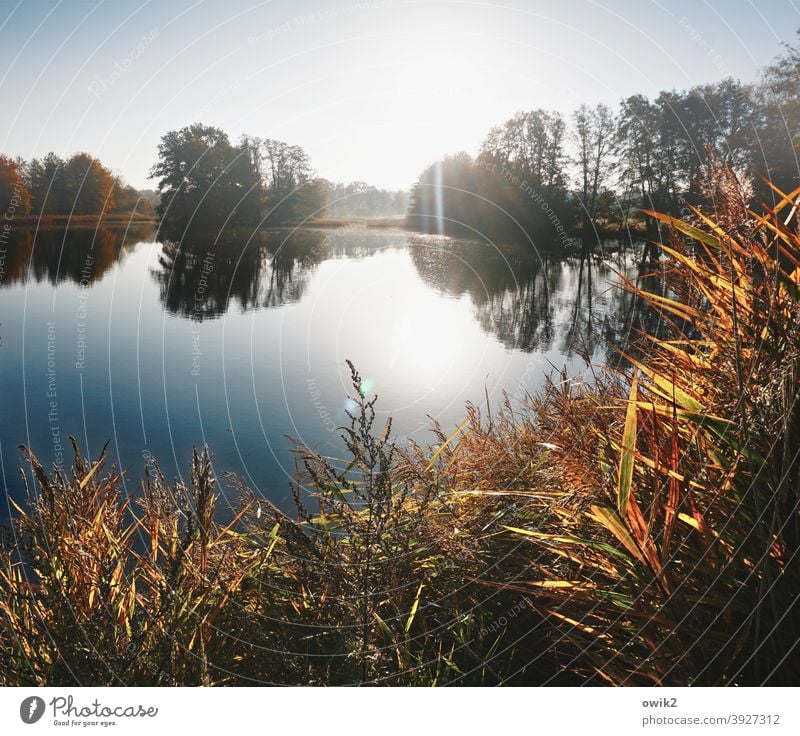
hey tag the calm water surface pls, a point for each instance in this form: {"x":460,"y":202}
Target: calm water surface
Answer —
{"x":155,"y":348}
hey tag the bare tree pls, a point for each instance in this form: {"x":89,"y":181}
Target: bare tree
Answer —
{"x":594,"y":138}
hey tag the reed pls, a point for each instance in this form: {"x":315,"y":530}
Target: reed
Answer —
{"x":668,"y":553}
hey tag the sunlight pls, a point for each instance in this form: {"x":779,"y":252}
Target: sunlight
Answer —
{"x":426,"y":342}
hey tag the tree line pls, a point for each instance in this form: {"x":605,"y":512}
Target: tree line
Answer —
{"x":203,"y":178}
{"x":538,"y":173}
{"x":79,"y":185}
{"x":359,"y":199}
{"x":541,"y":173}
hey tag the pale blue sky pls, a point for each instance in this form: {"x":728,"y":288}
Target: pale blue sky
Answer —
{"x":373,"y":89}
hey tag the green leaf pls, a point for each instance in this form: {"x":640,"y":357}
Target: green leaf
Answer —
{"x":609,"y":519}
{"x":628,"y":450}
{"x":414,"y":608}
{"x":446,"y":443}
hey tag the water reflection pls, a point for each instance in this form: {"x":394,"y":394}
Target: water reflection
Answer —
{"x":519,"y":296}
{"x":511,"y":288}
{"x":56,"y":255}
{"x":536,"y":302}
{"x":200,"y":277}
{"x":262,"y":325}
{"x":527,"y":300}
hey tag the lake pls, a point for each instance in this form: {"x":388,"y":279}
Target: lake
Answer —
{"x":240,"y":342}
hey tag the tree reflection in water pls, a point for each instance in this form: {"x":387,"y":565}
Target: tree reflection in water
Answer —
{"x":79,"y":254}
{"x":527,"y":300}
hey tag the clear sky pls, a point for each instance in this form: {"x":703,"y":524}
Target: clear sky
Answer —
{"x":373,"y":89}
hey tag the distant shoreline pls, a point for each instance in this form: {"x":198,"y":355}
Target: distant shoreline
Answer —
{"x":356,"y":222}
{"x":31,"y":221}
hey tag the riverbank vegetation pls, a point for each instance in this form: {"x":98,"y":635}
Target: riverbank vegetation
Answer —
{"x":205,"y":179}
{"x":542,"y":176}
{"x":638,"y":529}
{"x":80,"y":189}
{"x":361,"y":200}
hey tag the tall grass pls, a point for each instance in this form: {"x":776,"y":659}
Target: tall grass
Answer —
{"x":641,"y":529}
{"x":670,"y":554}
